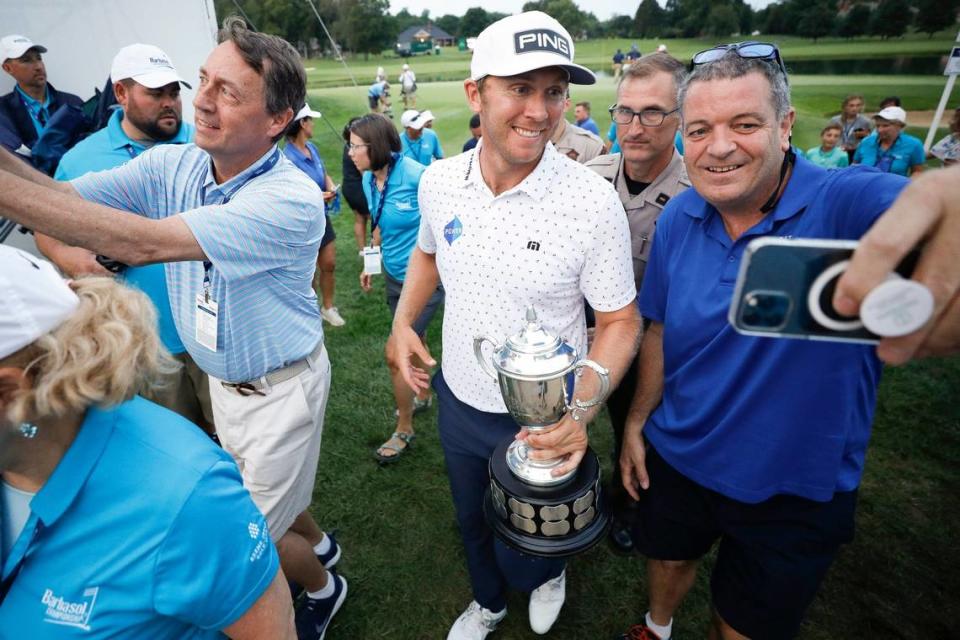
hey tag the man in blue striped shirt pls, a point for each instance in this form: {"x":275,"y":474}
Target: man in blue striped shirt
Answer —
{"x":239,"y":228}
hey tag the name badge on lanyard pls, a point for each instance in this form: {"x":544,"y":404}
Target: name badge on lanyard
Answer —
{"x":371,"y":261}
{"x":207,"y":309}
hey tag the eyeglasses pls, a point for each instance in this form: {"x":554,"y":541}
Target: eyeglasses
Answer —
{"x":648,"y":117}
{"x":354,"y":147}
{"x":749,"y":50}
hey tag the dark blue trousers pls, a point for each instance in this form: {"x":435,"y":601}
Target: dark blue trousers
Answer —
{"x":469,"y":437}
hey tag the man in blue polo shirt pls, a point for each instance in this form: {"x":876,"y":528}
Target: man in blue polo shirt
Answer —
{"x":756,"y":442}
{"x":889,"y":148}
{"x":417,"y":140}
{"x":147,"y":88}
{"x":240,"y":227}
{"x":581,"y":112}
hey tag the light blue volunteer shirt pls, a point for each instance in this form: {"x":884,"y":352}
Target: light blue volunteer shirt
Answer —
{"x":262,"y":244}
{"x":108,"y":148}
{"x":753,"y":417}
{"x":144,"y":530}
{"x":399,"y":221}
{"x":424,"y":149}
{"x":905,"y":153}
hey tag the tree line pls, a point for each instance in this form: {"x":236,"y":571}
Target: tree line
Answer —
{"x":367,"y":26}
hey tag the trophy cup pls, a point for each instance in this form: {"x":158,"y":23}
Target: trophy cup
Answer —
{"x":528,"y":508}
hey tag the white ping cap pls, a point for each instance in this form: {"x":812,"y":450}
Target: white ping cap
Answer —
{"x":526,"y":42}
{"x":34,"y":299}
{"x":15,"y":45}
{"x":306,"y":112}
{"x":145,"y":64}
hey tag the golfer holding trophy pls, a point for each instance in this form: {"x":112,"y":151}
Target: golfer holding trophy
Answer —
{"x":505,"y":227}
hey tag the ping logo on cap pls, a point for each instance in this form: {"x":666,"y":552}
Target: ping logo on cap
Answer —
{"x":541,"y":40}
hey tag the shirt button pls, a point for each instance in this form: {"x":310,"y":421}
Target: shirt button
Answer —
{"x":731,"y":259}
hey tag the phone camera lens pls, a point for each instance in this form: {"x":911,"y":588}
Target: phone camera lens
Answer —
{"x":765,"y":310}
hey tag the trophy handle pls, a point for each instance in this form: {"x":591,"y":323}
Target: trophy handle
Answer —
{"x":604,"y":374}
{"x":484,"y":363}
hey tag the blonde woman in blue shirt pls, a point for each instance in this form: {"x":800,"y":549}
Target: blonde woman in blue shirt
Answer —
{"x":390,"y":183}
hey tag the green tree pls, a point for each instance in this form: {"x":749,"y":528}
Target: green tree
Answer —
{"x":367,"y":26}
{"x":817,"y":21}
{"x":404,"y":20}
{"x":449,"y":23}
{"x":618,"y":27}
{"x":722,"y":21}
{"x":856,"y":22}
{"x":649,"y":20}
{"x":563,"y":11}
{"x":935,"y":15}
{"x":476,"y":19}
{"x":890,"y":19}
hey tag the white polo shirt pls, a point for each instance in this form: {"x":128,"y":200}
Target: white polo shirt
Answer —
{"x":556,"y":238}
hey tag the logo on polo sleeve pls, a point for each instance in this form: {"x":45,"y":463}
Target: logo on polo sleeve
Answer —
{"x":70,"y":613}
{"x":541,"y":40}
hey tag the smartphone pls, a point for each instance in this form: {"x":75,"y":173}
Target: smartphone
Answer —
{"x":785,"y":289}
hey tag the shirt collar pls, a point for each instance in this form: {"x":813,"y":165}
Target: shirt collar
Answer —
{"x":536,"y":185}
{"x":120,"y":140}
{"x":67,"y":480}
{"x":35,"y":103}
{"x":210,"y":185}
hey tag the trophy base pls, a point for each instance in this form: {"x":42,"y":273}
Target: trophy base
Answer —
{"x":554,"y":521}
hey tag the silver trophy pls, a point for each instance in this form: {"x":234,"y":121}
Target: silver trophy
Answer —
{"x":527,"y":506}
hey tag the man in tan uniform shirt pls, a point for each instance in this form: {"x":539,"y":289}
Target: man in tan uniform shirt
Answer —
{"x":646,"y":174}
{"x":576,"y":143}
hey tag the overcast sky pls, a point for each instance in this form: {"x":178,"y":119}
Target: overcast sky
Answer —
{"x":603,"y":9}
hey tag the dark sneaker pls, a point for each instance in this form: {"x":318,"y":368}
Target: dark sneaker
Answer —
{"x":332,"y":556}
{"x":314,"y":616}
{"x":639,"y":632}
{"x":620,"y":537}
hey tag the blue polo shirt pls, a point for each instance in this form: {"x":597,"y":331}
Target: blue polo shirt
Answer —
{"x":754,"y":417}
{"x":108,"y":148}
{"x":311,"y":165}
{"x":376,"y":89}
{"x":589,"y":125}
{"x":424,"y":149}
{"x":144,"y":530}
{"x":905,"y":153}
{"x":260,"y":231}
{"x":399,"y":217}
{"x":39,"y":111}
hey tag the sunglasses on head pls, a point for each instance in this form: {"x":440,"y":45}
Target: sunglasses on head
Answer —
{"x":749,"y":50}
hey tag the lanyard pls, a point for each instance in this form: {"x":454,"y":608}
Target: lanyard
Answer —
{"x":261,"y":169}
{"x":375,"y":220}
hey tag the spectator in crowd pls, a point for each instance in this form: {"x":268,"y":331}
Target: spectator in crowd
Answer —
{"x":222,"y":213}
{"x":634,"y":54}
{"x":661,"y":48}
{"x":352,"y":189}
{"x":302,"y":152}
{"x":390,"y":183}
{"x":90,"y":471}
{"x":378,"y":96}
{"x":418,"y":139}
{"x":147,"y":89}
{"x":475,"y":133}
{"x":756,"y":442}
{"x":381,"y":75}
{"x":928,"y":212}
{"x":479,"y":211}
{"x":581,"y":112}
{"x":408,"y":87}
{"x":610,"y":144}
{"x":947,"y":150}
{"x":890,"y":101}
{"x":33,"y":101}
{"x":854,"y":125}
{"x":647,"y":174}
{"x":577,"y":144}
{"x":618,"y":58}
{"x":892,"y":150}
{"x":828,"y":154}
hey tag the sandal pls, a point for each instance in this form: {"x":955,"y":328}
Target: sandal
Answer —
{"x":406,"y":438}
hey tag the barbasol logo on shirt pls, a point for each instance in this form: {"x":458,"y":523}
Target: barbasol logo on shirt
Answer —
{"x":541,"y":40}
{"x":69,"y":613}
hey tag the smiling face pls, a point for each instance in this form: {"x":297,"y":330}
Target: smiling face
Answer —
{"x":733,"y":144}
{"x":156,"y":113}
{"x":829,"y":138}
{"x":517,"y":114}
{"x":641,"y":144}
{"x":232,"y":121}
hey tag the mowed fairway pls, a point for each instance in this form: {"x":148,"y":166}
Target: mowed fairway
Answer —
{"x":402,"y":553}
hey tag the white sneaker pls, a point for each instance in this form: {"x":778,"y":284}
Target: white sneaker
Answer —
{"x":546,"y":602}
{"x":332,"y":316}
{"x":475,"y":623}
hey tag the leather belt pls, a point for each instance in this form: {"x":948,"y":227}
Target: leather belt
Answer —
{"x":260,"y":386}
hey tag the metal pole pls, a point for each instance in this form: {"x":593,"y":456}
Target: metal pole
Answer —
{"x":336,"y":49}
{"x":940,"y":107}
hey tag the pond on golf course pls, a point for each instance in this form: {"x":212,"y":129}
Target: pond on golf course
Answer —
{"x":890,"y":65}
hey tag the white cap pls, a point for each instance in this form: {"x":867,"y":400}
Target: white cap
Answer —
{"x":14,"y":46}
{"x":525,"y":42}
{"x":34,"y":299}
{"x":306,"y":112}
{"x":662,"y":48}
{"x":425,"y":117}
{"x":406,"y":66}
{"x":409,"y":117}
{"x":146,"y":64}
{"x":893,"y":114}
